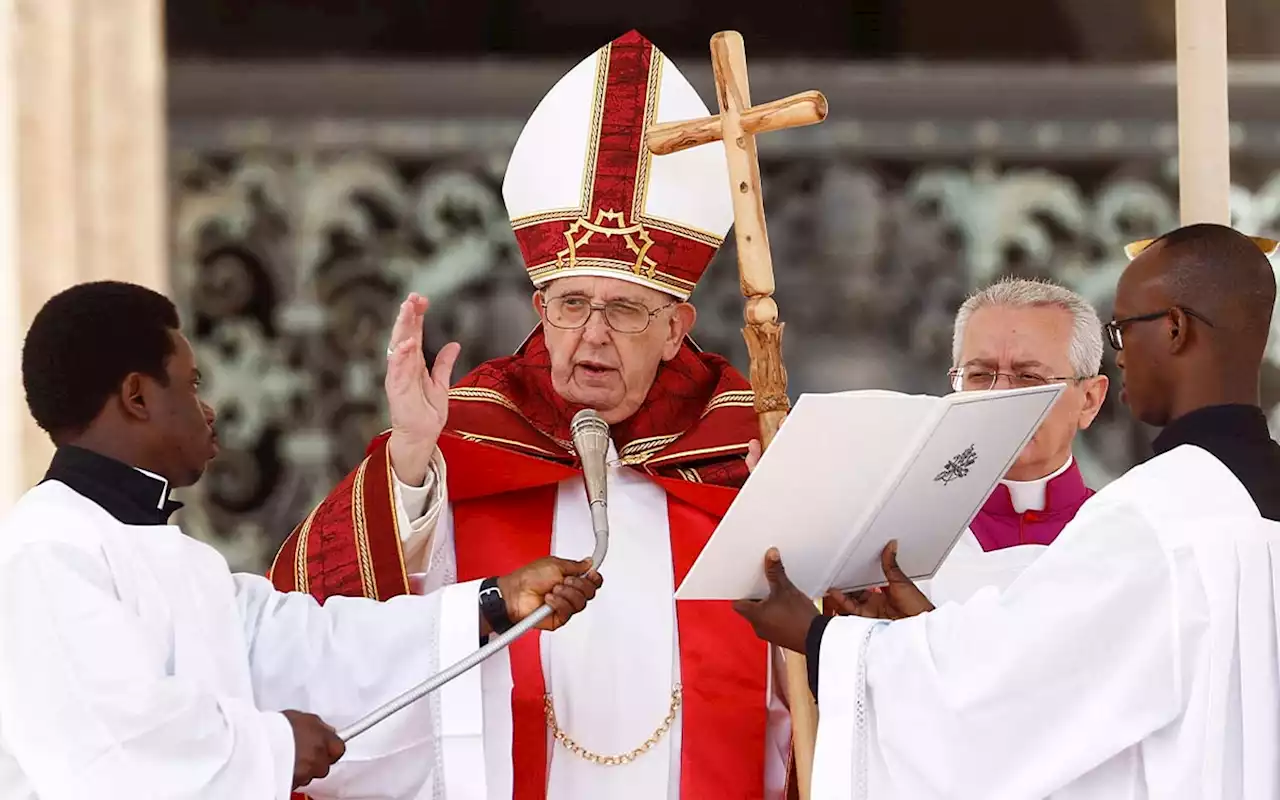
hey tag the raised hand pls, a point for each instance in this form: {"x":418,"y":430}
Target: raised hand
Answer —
{"x":417,"y":398}
{"x":564,"y":585}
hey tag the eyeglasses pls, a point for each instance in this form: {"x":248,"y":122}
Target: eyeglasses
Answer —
{"x":980,"y":379}
{"x":1115,"y":328}
{"x":570,"y":312}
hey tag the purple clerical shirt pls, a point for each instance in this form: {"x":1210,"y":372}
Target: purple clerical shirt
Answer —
{"x":999,"y":525}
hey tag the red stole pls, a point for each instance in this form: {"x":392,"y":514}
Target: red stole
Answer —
{"x":507,"y":447}
{"x":722,"y":664}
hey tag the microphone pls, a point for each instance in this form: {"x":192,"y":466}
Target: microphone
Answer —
{"x":591,"y":441}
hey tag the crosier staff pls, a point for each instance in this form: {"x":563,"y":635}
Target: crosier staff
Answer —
{"x":736,"y":125}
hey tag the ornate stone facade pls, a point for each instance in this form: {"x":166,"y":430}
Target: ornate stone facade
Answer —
{"x":295,"y":237}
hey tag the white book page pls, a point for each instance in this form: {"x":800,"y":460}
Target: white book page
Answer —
{"x":809,"y":492}
{"x":938,"y":494}
{"x":848,"y":472}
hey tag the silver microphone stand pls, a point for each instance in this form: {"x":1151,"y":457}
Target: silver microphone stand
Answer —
{"x":591,"y":440}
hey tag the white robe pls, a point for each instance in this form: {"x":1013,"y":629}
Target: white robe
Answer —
{"x":133,"y":664}
{"x":1136,"y":658}
{"x":610,"y":673}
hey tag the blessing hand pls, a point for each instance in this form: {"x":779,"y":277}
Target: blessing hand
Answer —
{"x":898,"y":599}
{"x":785,"y":616}
{"x":417,"y":398}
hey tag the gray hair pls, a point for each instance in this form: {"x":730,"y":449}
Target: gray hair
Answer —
{"x":1085,"y":351}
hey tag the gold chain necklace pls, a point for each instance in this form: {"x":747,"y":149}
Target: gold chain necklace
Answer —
{"x":613,"y":761}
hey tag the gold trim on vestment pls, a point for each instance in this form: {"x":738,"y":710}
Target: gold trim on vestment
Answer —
{"x":704,"y":451}
{"x":690,"y":475}
{"x":301,"y":577}
{"x":360,"y":527}
{"x":395,"y":517}
{"x":477,"y":394}
{"x":734,"y":399}
{"x":479,"y":437}
{"x":649,"y":443}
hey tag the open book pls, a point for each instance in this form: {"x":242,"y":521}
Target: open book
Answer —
{"x":850,"y":471}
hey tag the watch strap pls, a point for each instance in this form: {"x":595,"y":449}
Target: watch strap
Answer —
{"x":494,"y":606}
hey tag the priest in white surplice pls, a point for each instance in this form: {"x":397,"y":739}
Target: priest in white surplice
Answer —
{"x":133,"y":663}
{"x":1137,"y":658}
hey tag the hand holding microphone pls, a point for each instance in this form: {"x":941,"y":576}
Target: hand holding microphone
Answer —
{"x":542,"y":594}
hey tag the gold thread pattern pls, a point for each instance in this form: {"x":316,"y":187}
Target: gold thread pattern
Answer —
{"x":640,"y":192}
{"x":479,"y":437}
{"x":660,"y":280}
{"x":475,"y":394}
{"x":705,"y":451}
{"x":593,"y":136}
{"x":360,"y":526}
{"x":302,"y":580}
{"x":395,"y":517}
{"x":643,"y":264}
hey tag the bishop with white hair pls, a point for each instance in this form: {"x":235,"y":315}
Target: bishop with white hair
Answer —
{"x":1019,"y":333}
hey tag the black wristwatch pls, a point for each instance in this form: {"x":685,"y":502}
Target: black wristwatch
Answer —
{"x":493,"y":606}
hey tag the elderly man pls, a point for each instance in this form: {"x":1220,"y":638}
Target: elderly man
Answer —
{"x":1020,"y":333}
{"x":640,"y":698}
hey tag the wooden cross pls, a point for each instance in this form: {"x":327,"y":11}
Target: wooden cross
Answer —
{"x":736,"y":125}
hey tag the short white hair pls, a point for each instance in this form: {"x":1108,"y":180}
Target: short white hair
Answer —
{"x":1085,"y":350}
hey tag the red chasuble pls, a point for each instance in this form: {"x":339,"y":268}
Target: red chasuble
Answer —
{"x":507,"y":447}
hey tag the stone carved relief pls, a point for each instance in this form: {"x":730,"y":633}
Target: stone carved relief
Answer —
{"x":290,"y":265}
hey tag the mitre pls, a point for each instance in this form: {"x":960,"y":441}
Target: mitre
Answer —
{"x":585,"y":195}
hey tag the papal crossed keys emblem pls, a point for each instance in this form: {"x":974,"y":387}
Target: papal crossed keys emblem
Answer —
{"x":958,"y":467}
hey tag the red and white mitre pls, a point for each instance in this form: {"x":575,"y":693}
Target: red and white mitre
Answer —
{"x":586,"y":197}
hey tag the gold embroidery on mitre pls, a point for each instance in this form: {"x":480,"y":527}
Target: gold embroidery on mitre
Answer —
{"x":643,"y":265}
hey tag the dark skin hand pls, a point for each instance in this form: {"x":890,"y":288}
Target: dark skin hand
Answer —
{"x":316,"y":747}
{"x":897,"y":599}
{"x":784,"y":617}
{"x":564,"y":585}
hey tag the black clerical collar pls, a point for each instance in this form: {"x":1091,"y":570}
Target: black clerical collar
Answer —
{"x":131,"y":495}
{"x":1212,"y":425}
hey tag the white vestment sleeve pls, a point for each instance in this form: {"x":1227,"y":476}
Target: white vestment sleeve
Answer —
{"x":418,"y":509}
{"x":87,"y":707}
{"x":345,"y":658}
{"x":1010,"y":695}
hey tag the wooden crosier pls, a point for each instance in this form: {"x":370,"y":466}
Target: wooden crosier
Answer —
{"x":736,"y":125}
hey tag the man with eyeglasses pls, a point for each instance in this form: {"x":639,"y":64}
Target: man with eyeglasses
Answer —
{"x":640,"y":697}
{"x":1137,"y":657}
{"x":1015,"y":334}
{"x":1190,"y":326}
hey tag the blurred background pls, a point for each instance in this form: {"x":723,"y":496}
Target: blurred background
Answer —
{"x":289,"y":169}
